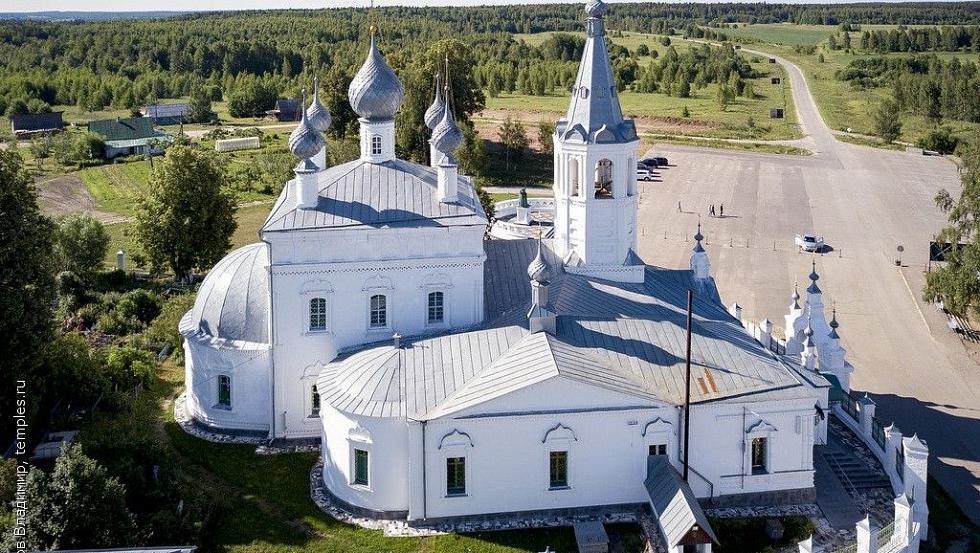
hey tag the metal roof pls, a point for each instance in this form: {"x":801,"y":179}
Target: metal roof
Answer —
{"x":33,"y":122}
{"x":133,"y":128}
{"x":677,"y":510}
{"x":167,"y":110}
{"x":233,"y":301}
{"x":363,"y":194}
{"x":629,"y":338}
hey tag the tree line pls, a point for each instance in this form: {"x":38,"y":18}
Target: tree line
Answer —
{"x":915,"y":39}
{"x":923,"y":84}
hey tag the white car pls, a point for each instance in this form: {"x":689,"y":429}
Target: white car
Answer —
{"x":809,"y":242}
{"x":642,"y":173}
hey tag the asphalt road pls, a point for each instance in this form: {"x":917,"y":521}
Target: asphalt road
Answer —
{"x":865,"y":202}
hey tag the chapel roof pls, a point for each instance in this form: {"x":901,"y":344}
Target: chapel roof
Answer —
{"x":628,"y":338}
{"x":232,"y":303}
{"x":360,"y":194}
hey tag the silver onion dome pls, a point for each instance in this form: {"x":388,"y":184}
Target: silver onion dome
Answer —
{"x":375,"y":93}
{"x":317,"y":113}
{"x":596,"y":8}
{"x":305,"y":142}
{"x":446,"y":136}
{"x":698,"y":237}
{"x":538,"y":269}
{"x":434,"y":114}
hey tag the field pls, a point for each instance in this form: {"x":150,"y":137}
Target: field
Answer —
{"x":841,"y":105}
{"x":743,"y":118}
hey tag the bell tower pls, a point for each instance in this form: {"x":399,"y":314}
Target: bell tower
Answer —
{"x":595,"y":169}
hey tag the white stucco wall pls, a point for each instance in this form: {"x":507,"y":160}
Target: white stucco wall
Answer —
{"x":385,"y":440}
{"x":249,"y":367}
{"x":348,"y":267}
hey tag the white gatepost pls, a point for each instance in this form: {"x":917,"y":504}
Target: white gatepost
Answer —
{"x":903,"y":520}
{"x":867,"y":537}
{"x":916,"y":480}
{"x":867,"y":406}
{"x":893,"y":441}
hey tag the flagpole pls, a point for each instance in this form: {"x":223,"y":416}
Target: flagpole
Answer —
{"x":687,"y":387}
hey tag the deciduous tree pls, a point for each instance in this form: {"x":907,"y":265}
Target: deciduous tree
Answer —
{"x":187,"y":219}
{"x":80,"y":244}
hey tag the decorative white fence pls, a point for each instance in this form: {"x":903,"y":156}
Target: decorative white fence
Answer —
{"x":508,"y":208}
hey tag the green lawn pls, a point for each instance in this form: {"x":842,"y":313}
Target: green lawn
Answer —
{"x":116,"y":186}
{"x":782,"y":33}
{"x":706,"y":118}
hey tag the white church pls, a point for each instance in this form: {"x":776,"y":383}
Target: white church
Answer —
{"x":451,"y":376}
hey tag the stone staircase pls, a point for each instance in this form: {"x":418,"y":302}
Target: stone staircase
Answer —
{"x":854,"y":473}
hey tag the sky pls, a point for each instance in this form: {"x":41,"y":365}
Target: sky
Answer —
{"x":199,"y":5}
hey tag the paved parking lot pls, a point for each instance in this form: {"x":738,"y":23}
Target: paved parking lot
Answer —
{"x":865,"y":202}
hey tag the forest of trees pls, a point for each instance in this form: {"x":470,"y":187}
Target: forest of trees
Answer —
{"x":915,"y":39}
{"x":923,"y":84}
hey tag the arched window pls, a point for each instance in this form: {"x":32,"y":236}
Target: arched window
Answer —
{"x":436,"y":309}
{"x":631,"y":178}
{"x":376,"y":145}
{"x":604,"y":179}
{"x":224,"y":391}
{"x":318,"y":315}
{"x":314,"y":402}
{"x":379,"y":311}
{"x":573,"y":177}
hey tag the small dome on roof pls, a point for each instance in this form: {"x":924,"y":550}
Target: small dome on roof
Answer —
{"x":434,"y":114}
{"x":596,"y":8}
{"x":317,"y":113}
{"x":538,"y":269}
{"x":375,"y":93}
{"x":233,"y":301}
{"x":305,"y":141}
{"x":447,"y":137}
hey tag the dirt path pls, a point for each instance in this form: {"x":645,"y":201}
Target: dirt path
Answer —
{"x":64,"y":194}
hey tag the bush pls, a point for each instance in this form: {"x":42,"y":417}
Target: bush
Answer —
{"x":163,"y":332}
{"x":74,"y":370}
{"x":80,"y":243}
{"x":940,"y":140}
{"x":133,"y":312}
{"x":129,"y":367}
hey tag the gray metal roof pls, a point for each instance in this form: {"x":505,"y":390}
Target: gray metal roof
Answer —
{"x":594,"y":113}
{"x":677,"y":510}
{"x":233,"y":301}
{"x":363,"y":194}
{"x":629,"y":338}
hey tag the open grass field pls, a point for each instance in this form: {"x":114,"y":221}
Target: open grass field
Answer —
{"x":250,"y":219}
{"x":842,"y":105}
{"x":705,"y":116}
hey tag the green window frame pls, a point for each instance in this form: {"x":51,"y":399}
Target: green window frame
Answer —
{"x":456,"y":476}
{"x":760,"y":448}
{"x":224,"y":391}
{"x":361,"y":467}
{"x":558,"y":469}
{"x":315,"y":402}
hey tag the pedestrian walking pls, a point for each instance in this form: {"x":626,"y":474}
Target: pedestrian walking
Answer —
{"x":711,"y":210}
{"x":721,"y":210}
{"x":678,"y":207}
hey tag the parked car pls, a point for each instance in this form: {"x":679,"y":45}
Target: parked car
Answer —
{"x":642,"y":173}
{"x":661,"y":160}
{"x":649,"y":163}
{"x":809,"y":242}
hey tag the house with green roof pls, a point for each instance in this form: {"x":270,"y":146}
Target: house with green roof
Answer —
{"x":131,"y":136}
